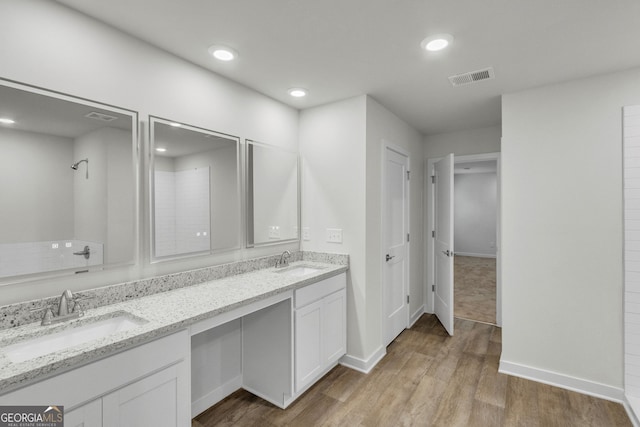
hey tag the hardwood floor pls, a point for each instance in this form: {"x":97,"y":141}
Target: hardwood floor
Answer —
{"x":475,"y":288}
{"x":426,"y":379}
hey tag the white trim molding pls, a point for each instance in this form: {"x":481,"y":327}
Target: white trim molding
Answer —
{"x":415,"y":316}
{"x":475,"y":255}
{"x":363,"y":365}
{"x":629,"y":404}
{"x":580,"y":385}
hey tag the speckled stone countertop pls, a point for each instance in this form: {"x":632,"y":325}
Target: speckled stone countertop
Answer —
{"x":164,"y":313}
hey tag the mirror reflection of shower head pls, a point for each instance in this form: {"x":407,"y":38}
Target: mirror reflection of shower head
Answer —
{"x":75,"y":166}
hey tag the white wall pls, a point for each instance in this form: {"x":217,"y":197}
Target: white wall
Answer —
{"x":632,"y":254}
{"x":332,"y":151}
{"x":104,"y":203}
{"x":562,"y":227}
{"x":98,"y":62}
{"x":472,"y":141}
{"x":475,"y":211}
{"x":26,"y":201}
{"x":341,"y":149}
{"x":385,"y":127}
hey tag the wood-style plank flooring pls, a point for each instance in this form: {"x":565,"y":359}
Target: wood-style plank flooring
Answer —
{"x":426,"y":379}
{"x":475,"y":288}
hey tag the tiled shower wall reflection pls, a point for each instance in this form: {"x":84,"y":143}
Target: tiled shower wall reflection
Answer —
{"x":39,"y":257}
{"x":182,"y":212}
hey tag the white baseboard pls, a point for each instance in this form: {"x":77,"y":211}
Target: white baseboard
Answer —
{"x":579,"y":385}
{"x":415,"y":316}
{"x":475,"y":255}
{"x":629,"y":404}
{"x":363,"y":365}
{"x":215,"y":396}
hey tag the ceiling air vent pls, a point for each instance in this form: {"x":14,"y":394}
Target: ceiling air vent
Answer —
{"x":472,"y":77}
{"x":100,"y":116}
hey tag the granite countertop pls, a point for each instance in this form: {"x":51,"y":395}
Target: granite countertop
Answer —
{"x":164,"y":313}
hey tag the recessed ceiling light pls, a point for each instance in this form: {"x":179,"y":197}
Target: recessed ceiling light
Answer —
{"x":436,"y":42}
{"x":223,"y":53}
{"x":161,"y":150}
{"x":175,"y":125}
{"x":297,"y":92}
{"x":7,"y":121}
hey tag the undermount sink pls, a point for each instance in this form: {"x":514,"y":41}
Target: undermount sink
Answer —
{"x":69,"y":336}
{"x":299,"y":270}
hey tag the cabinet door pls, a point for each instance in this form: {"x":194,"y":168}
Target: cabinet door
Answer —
{"x":88,"y":415}
{"x":335,"y":326}
{"x":150,"y":402}
{"x":309,"y":352}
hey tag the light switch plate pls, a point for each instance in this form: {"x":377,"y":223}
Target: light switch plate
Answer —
{"x":334,"y":235}
{"x":306,"y":233}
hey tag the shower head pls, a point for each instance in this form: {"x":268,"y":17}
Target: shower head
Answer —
{"x":75,"y":166}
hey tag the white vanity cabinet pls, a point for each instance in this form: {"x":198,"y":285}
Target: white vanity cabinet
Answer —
{"x":147,"y":385}
{"x":320,"y":329}
{"x":87,"y":415}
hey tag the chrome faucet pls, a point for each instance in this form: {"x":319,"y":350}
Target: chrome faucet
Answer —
{"x":284,"y":259}
{"x":68,"y":308}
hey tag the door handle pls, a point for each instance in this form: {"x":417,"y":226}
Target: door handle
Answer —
{"x":389,"y":257}
{"x":447,"y":253}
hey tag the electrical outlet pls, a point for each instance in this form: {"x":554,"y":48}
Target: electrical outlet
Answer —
{"x":306,"y":233}
{"x":334,"y":235}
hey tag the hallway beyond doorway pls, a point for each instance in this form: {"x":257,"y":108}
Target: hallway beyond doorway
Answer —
{"x":475,"y":288}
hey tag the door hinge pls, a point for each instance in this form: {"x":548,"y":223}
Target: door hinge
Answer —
{"x":408,"y":237}
{"x":433,"y":234}
{"x":408,"y":175}
{"x":407,"y":299}
{"x":433,"y":179}
{"x":433,"y":288}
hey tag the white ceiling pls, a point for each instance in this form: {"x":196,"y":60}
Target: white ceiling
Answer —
{"x":34,"y":112}
{"x":343,"y":48}
{"x":180,"y":141}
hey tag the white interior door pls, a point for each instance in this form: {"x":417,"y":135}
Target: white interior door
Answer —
{"x":395,"y":230}
{"x":443,"y":242}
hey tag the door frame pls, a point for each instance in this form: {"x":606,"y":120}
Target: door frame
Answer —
{"x":386,"y":145}
{"x":429,"y":222}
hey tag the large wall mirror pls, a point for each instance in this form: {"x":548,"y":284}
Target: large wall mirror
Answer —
{"x":195,"y":177}
{"x":68,"y":180}
{"x":273,"y":208}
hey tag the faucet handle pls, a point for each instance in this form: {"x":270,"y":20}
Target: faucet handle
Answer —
{"x":77,"y":308}
{"x":46,"y":317}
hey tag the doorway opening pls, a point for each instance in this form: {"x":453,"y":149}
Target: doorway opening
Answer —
{"x":475,"y":237}
{"x":478,"y":267}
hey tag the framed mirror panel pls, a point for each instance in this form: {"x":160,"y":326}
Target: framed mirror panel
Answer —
{"x":195,"y":197}
{"x":273,"y":195}
{"x":68,"y":184}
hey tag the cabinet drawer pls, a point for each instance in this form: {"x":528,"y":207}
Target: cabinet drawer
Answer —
{"x":314,"y":292}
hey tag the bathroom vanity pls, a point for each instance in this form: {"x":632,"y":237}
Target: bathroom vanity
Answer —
{"x":273,"y":332}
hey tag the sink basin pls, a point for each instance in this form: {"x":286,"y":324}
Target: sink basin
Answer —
{"x":80,"y":333}
{"x":299,"y":270}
